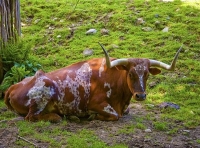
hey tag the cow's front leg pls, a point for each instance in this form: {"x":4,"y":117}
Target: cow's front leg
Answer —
{"x":52,"y":117}
{"x":104,"y":112}
{"x":35,"y":114}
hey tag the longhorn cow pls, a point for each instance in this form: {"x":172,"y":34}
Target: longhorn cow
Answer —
{"x":99,"y":89}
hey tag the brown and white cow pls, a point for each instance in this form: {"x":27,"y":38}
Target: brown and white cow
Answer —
{"x":98,"y":88}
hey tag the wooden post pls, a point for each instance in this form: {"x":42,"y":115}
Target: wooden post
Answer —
{"x":10,"y":26}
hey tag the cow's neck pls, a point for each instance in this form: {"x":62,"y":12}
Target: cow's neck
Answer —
{"x":121,"y":98}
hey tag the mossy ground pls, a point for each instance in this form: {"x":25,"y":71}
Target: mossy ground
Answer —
{"x":55,"y":31}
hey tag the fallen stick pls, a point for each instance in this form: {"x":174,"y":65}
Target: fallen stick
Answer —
{"x":14,"y":119}
{"x":27,"y":141}
{"x":3,"y":121}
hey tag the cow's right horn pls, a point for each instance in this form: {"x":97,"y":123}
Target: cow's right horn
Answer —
{"x":111,"y":64}
{"x":171,"y":67}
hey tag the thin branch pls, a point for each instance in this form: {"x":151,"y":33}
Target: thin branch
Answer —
{"x":27,"y":141}
{"x":2,"y":121}
{"x":14,"y":119}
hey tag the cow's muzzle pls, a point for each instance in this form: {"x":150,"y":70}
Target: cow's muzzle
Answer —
{"x":140,"y":96}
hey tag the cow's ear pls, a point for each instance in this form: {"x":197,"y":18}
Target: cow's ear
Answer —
{"x":154,"y":71}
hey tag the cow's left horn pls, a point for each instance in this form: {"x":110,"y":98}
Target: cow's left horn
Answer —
{"x":166,"y":66}
{"x":115,"y":62}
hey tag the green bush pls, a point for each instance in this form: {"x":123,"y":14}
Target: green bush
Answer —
{"x":14,"y":52}
{"x":18,"y":72}
{"x":16,"y":65}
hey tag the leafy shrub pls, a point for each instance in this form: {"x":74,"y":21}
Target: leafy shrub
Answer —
{"x":16,"y":65}
{"x":18,"y":72}
{"x":14,"y":52}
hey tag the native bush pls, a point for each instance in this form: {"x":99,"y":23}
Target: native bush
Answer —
{"x":18,"y":72}
{"x":16,"y":63}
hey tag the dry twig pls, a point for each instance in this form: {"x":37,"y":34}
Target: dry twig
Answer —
{"x":14,"y":119}
{"x":27,"y":141}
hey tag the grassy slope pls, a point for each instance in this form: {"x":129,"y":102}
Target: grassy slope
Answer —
{"x":44,"y":20}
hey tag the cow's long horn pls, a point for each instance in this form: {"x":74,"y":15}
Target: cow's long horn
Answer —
{"x":166,"y":66}
{"x":111,"y":64}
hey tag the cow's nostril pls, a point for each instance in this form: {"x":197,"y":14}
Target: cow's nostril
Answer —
{"x":144,"y":96}
{"x":140,"y":96}
{"x":137,"y":96}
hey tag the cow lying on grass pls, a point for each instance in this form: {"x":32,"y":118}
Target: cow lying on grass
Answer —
{"x":98,"y":88}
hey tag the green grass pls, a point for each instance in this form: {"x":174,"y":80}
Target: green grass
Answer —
{"x":198,"y":141}
{"x":45,"y":20}
{"x":56,"y":136}
{"x":173,"y":131}
{"x":161,"y":126}
{"x":127,"y":129}
{"x":83,"y":139}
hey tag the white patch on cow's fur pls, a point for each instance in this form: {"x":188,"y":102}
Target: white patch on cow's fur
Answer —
{"x":110,"y":110}
{"x":73,"y":87}
{"x":140,"y":72}
{"x":40,"y":93}
{"x":61,"y":88}
{"x":101,"y":69}
{"x":28,"y":102}
{"x":82,"y":78}
{"x":108,"y":93}
{"x":26,"y":80}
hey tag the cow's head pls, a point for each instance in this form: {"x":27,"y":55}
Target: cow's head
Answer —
{"x":139,"y":70}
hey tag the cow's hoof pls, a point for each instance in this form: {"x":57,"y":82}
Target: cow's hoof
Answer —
{"x":74,"y":119}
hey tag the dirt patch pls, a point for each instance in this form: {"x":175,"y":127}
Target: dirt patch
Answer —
{"x":8,"y":136}
{"x":118,"y":132}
